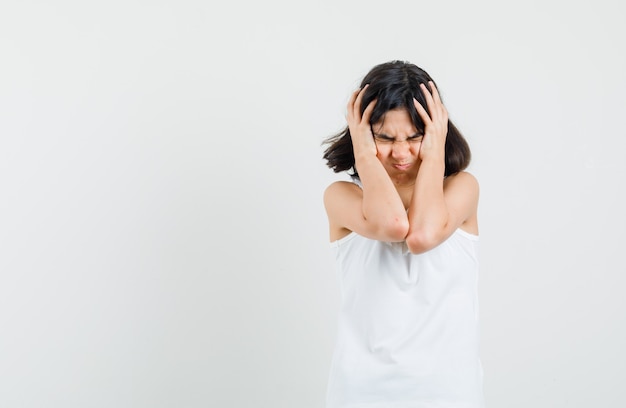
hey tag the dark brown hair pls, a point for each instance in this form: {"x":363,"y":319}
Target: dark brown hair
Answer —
{"x":394,"y":85}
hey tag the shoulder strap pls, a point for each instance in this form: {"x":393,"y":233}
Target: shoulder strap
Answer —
{"x":357,"y":181}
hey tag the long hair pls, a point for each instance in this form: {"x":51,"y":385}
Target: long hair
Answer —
{"x":394,"y":85}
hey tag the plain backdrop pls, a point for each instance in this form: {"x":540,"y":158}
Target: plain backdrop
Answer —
{"x":163,"y":241}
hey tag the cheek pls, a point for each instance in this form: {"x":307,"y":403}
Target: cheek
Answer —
{"x":415,"y":147}
{"x":381,"y":152}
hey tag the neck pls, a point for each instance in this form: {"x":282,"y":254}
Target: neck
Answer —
{"x":403,"y":181}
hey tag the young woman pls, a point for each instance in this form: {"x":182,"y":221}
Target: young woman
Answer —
{"x":404,"y":234}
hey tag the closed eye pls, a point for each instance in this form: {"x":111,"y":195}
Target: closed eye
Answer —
{"x":383,"y":138}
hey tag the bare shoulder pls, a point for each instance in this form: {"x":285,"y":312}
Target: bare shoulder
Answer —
{"x":343,"y":200}
{"x":338,"y":190}
{"x":463,"y":181}
{"x":463,"y":176}
{"x":461,"y":194}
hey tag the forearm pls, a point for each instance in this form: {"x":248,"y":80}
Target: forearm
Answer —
{"x":382,"y":205}
{"x":428,"y":214}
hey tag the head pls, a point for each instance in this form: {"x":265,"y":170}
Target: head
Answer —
{"x":394,"y":85}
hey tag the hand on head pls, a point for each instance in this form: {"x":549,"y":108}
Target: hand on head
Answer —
{"x":359,"y":125}
{"x":436,"y":123}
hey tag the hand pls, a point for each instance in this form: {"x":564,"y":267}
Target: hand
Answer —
{"x":434,"y":140}
{"x":360,"y":129}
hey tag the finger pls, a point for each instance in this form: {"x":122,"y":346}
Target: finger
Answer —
{"x":367,"y":114}
{"x":437,"y":99}
{"x":430,"y":103}
{"x":422,"y":112}
{"x":428,"y":96}
{"x":434,"y":105}
{"x":357,"y":103}
{"x":434,"y":91}
{"x":443,"y":113}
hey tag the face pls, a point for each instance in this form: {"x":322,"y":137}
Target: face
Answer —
{"x":398,"y":143}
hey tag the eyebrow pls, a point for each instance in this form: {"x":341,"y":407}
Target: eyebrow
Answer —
{"x":384,"y":136}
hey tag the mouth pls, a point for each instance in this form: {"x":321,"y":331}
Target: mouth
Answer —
{"x":402,"y":166}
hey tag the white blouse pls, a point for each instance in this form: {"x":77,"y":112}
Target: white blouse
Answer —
{"x":408,"y":333}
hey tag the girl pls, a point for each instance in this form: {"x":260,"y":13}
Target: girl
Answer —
{"x":404,"y":234}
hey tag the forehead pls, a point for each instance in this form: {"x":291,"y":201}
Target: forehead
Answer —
{"x":395,"y":122}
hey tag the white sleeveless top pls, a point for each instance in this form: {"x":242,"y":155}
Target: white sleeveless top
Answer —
{"x":408,"y":334}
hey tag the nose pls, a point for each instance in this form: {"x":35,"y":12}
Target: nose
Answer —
{"x":400,"y":149}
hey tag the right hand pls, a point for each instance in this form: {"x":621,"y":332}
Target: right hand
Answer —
{"x":360,"y":128}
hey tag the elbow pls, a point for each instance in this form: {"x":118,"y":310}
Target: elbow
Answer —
{"x":395,"y":230}
{"x":420,"y":241}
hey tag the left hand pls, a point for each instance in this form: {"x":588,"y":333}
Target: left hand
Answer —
{"x":434,"y":141}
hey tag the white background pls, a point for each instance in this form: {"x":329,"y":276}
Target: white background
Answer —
{"x":162,"y":234}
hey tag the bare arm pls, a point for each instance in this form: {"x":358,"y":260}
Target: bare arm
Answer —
{"x":438,"y":207}
{"x":376,"y":211}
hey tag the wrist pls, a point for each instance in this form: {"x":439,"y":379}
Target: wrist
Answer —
{"x":433,"y":163}
{"x":364,"y":156}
